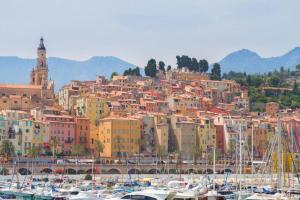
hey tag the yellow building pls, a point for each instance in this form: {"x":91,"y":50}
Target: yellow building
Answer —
{"x":120,"y":137}
{"x":206,"y":136}
{"x":92,"y":107}
{"x":94,"y":134}
{"x":40,"y":137}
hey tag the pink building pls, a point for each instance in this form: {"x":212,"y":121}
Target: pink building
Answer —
{"x":62,"y":128}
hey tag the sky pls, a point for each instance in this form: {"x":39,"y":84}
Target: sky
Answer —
{"x":136,"y":30}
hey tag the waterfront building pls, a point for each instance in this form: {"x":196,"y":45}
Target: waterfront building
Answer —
{"x":161,"y":137}
{"x":206,"y":136}
{"x":121,"y":137}
{"x":3,"y":128}
{"x":183,"y":138}
{"x":62,"y":129}
{"x":26,"y":129}
{"x":82,"y":132}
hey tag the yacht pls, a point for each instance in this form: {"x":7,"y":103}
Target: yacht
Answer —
{"x":150,"y":195}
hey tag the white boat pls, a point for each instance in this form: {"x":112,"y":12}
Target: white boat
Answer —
{"x":262,"y":196}
{"x":189,"y":195}
{"x":149,"y":194}
{"x":213,"y":195}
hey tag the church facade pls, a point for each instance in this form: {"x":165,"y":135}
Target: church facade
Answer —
{"x":39,"y":92}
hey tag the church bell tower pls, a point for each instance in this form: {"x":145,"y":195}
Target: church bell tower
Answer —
{"x":39,"y":74}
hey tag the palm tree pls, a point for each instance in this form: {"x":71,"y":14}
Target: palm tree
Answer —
{"x":196,"y":152}
{"x":34,"y":152}
{"x":98,"y":148}
{"x":54,"y":145}
{"x":7,"y":148}
{"x":178,"y":160}
{"x":142,"y":143}
{"x":160,"y":151}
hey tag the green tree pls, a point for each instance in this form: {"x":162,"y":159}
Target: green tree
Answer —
{"x":274,"y":81}
{"x":216,"y":72}
{"x":255,"y":80}
{"x":161,"y":66}
{"x":136,"y":71}
{"x":184,"y":61}
{"x":7,"y":148}
{"x":169,"y":68}
{"x":295,"y":87}
{"x":88,"y":177}
{"x":179,"y":63}
{"x":160,"y":151}
{"x":203,"y":65}
{"x":298,"y":67}
{"x":194,"y":65}
{"x":132,"y":72}
{"x":150,"y":69}
{"x":34,"y":152}
{"x":54,"y":145}
{"x":127,"y":72}
{"x":113,"y":74}
{"x":78,"y":150}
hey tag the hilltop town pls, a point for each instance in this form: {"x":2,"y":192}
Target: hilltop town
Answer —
{"x":183,"y":112}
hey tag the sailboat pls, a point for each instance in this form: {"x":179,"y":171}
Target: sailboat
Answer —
{"x":268,"y":193}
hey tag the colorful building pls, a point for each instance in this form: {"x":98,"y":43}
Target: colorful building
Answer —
{"x":82,"y":132}
{"x":62,"y":129}
{"x":206,"y":136}
{"x":92,"y":107}
{"x":121,"y":137}
{"x":183,"y":138}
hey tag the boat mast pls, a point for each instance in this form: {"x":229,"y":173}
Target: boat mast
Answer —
{"x":252,"y":165}
{"x":279,"y":165}
{"x":292,"y":151}
{"x":240,"y":137}
{"x":214,"y":168}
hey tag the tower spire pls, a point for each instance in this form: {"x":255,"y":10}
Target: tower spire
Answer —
{"x":40,"y":71}
{"x":41,"y":45}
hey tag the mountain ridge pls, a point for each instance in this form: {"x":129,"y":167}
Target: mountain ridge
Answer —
{"x":249,"y":61}
{"x":15,"y":69}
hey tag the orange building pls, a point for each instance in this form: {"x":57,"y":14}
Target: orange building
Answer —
{"x":82,"y":132}
{"x":120,"y":137}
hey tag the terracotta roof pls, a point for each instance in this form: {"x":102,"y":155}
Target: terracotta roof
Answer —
{"x":18,"y":86}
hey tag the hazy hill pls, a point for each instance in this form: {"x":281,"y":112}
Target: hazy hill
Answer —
{"x":17,"y":70}
{"x":248,"y":61}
